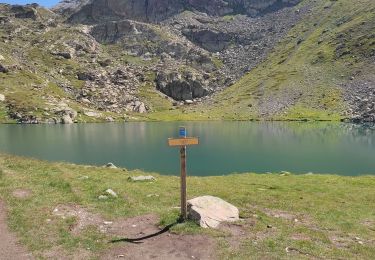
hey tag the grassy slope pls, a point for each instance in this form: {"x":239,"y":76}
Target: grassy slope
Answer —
{"x":328,"y":207}
{"x":306,"y":62}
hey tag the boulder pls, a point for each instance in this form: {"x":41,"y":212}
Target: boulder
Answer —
{"x":66,"y":119}
{"x":3,"y":69}
{"x":111,"y":165}
{"x":181,"y":87}
{"x":209,"y":211}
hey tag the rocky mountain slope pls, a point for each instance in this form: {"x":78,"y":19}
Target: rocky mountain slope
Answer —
{"x":94,"y":60}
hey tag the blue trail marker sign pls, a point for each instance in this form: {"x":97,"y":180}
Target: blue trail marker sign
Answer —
{"x":182,"y":142}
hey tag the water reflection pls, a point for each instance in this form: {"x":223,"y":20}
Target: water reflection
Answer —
{"x":225,"y":146}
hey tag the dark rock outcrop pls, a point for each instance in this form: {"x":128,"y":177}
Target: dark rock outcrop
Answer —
{"x":210,"y":40}
{"x":111,"y":31}
{"x":3,"y":69}
{"x":25,"y":11}
{"x":181,"y":87}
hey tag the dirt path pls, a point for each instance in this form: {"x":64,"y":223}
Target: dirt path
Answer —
{"x":10,"y":249}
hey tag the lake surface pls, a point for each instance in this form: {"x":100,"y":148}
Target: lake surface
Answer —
{"x":225,"y":147}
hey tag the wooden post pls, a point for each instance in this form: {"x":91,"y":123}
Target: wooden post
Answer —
{"x":182,"y":142}
{"x":183,"y":134}
{"x":183,"y":183}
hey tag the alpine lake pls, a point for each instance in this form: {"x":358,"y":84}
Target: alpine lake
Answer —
{"x":225,"y":147}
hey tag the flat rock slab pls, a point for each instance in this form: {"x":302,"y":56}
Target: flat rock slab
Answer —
{"x":142,"y":178}
{"x":209,"y":211}
{"x":9,"y":245}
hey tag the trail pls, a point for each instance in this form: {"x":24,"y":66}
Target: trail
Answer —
{"x":10,"y":249}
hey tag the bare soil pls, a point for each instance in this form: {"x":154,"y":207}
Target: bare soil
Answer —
{"x":22,"y":193}
{"x":138,"y":237}
{"x":165,"y":246}
{"x":10,"y":248}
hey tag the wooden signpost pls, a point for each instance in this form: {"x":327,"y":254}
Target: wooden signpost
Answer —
{"x":182,"y":142}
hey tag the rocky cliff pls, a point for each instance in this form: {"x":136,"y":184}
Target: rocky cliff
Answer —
{"x":159,"y":10}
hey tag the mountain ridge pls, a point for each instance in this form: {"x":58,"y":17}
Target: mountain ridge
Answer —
{"x":189,"y":66}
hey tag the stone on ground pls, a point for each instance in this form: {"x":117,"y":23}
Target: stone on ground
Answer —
{"x":209,"y":211}
{"x":111,"y":166}
{"x":142,"y":178}
{"x":111,"y":193}
{"x":2,"y":98}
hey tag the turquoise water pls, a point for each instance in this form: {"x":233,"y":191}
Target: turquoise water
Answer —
{"x":225,"y":147}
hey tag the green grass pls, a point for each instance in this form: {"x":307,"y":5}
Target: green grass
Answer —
{"x":326,"y":206}
{"x":311,"y":68}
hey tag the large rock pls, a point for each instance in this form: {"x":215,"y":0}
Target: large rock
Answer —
{"x":66,"y":119}
{"x":3,"y":69}
{"x":181,"y":87}
{"x":209,"y":211}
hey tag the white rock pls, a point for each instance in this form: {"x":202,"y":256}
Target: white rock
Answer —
{"x":111,"y":166}
{"x":103,"y":197}
{"x":2,"y":57}
{"x":112,"y":193}
{"x":142,"y":178}
{"x":209,"y":211}
{"x":2,"y":98}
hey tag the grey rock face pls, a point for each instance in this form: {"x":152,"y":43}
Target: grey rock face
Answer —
{"x":111,"y":31}
{"x":209,"y":211}
{"x":210,"y":40}
{"x":159,"y":10}
{"x":140,"y":10}
{"x":181,"y":87}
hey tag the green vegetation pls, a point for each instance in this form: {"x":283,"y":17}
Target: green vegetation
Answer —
{"x":318,"y":216}
{"x":307,"y":67}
